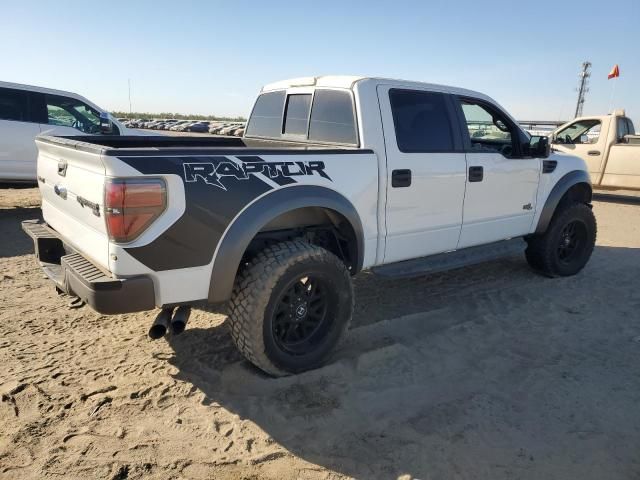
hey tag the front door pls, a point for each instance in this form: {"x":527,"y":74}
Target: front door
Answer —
{"x":66,"y":116}
{"x":18,"y":152}
{"x":426,"y":173}
{"x":500,"y":199}
{"x":585,"y":139}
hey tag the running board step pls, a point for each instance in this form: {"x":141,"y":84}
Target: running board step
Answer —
{"x":450,"y":260}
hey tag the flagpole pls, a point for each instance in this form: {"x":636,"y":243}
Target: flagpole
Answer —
{"x":613,"y":91}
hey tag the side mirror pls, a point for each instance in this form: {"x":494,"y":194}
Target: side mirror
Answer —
{"x":538,"y":147}
{"x":106,"y":124}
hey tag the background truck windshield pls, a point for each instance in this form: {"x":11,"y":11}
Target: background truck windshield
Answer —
{"x":582,"y":131}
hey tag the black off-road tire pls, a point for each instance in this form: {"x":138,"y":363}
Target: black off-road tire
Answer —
{"x":546,"y":253}
{"x":263,"y":291}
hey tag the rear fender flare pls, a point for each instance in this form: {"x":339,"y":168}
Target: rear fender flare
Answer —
{"x":250,"y":221}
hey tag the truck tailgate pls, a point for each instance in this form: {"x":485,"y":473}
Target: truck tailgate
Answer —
{"x":71,"y":182}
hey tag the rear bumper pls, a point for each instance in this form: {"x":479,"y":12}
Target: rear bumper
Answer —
{"x":75,"y":275}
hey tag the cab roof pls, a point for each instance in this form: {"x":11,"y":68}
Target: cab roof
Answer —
{"x":50,"y":91}
{"x":349,"y":82}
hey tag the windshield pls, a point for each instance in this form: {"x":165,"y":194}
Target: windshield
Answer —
{"x":69,"y":112}
{"x":582,"y":131}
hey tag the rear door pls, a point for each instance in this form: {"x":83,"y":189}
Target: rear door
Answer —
{"x":426,"y":166}
{"x":502,"y":185}
{"x":18,"y":151}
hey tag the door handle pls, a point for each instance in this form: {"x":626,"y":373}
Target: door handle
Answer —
{"x":593,"y":153}
{"x":62,"y":168}
{"x":401,"y":178}
{"x":476,"y":174}
{"x":60,"y":191}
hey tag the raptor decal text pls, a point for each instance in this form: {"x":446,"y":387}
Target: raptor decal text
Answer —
{"x":213,"y":172}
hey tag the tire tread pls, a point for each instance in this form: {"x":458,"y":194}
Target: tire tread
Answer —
{"x":253,"y":289}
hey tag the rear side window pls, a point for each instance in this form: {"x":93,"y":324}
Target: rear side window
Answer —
{"x":14,"y":105}
{"x":297,"y":114}
{"x":332,"y":118}
{"x":421,"y":121}
{"x":623,"y":128}
{"x":632,"y":129}
{"x":266,"y":117}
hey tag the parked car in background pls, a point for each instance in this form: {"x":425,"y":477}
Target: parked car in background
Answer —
{"x":27,"y":111}
{"x":608,"y":144}
{"x":199,"y":127}
{"x":217,"y":128}
{"x":168,"y":124}
{"x":228,"y":130}
{"x":185,"y":126}
{"x":236,"y":131}
{"x":177,"y":125}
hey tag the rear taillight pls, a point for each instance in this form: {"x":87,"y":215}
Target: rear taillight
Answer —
{"x":131,"y":205}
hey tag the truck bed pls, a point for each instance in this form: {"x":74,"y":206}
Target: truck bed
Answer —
{"x":123,"y":145}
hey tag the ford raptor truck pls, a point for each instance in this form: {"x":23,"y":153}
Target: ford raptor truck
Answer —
{"x":334,"y":175}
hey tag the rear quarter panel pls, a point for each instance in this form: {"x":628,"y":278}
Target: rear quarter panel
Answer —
{"x":206,"y":197}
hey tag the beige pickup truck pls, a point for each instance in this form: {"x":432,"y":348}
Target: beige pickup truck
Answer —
{"x":608,"y":144}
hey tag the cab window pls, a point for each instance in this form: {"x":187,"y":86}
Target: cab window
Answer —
{"x":297,"y":114}
{"x":69,"y":112}
{"x":580,"y":132}
{"x":266,"y":118}
{"x":13,"y":105}
{"x":333,"y":118}
{"x":421,"y":121}
{"x":489,"y":130}
{"x":624,"y":128}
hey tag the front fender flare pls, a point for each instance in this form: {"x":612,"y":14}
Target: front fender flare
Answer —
{"x":563,"y":185}
{"x":249,"y":222}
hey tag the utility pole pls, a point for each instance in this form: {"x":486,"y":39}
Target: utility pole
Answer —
{"x":583,"y":88}
{"x":129,"y":80}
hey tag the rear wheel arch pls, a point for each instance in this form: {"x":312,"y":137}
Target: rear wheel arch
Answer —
{"x":573,"y":187}
{"x":280,"y":211}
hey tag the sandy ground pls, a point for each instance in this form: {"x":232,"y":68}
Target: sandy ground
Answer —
{"x":489,"y":372}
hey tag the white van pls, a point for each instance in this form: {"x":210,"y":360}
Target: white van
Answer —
{"x":27,"y":111}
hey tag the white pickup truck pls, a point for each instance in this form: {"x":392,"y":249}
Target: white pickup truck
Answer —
{"x":608,"y":144}
{"x":27,"y":111}
{"x":333,"y":176}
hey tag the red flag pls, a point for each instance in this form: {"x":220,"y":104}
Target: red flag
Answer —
{"x":614,"y":73}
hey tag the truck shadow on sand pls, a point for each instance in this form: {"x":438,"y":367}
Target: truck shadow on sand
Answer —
{"x":482,"y":371}
{"x":14,"y":241}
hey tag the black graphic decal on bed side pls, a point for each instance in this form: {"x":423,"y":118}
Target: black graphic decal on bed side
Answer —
{"x":192,"y":239}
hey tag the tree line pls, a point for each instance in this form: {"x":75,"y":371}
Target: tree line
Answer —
{"x":178,"y":116}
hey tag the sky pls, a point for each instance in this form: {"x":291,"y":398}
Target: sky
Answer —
{"x":212,"y":57}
